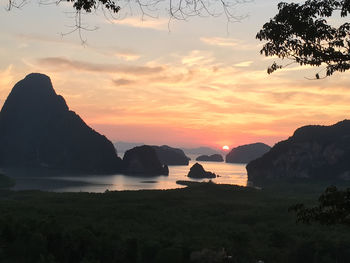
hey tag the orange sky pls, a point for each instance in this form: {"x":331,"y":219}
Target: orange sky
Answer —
{"x":196,"y":85}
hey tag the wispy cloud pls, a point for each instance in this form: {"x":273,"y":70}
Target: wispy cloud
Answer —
{"x":198,"y":58}
{"x":119,"y":52}
{"x":5,"y":75}
{"x":43,"y":38}
{"x":126,"y":55}
{"x":244,"y":64}
{"x":229,"y":42}
{"x":65,"y":64}
{"x":199,"y":93}
{"x":151,"y":23}
{"x":123,"y":82}
{"x":219,"y":41}
{"x":6,"y":80}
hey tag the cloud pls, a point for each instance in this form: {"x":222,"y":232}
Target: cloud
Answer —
{"x":177,"y":76}
{"x":232,"y":102}
{"x":6,"y":76}
{"x":243,"y":64}
{"x":228,"y":42}
{"x":6,"y":81}
{"x":64,"y":64}
{"x":198,"y":58}
{"x":120,"y":52}
{"x":219,"y":41}
{"x":123,"y":82}
{"x":128,"y":56}
{"x":42,"y":38}
{"x":152,"y":23}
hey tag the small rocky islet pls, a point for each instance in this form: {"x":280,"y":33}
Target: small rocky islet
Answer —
{"x":197,"y":171}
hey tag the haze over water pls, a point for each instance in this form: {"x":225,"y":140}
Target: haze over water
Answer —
{"x":229,"y":174}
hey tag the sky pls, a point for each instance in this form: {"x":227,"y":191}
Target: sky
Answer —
{"x":200,"y":82}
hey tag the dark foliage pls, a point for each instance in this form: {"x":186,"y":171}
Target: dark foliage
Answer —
{"x":203,"y":223}
{"x":6,"y":182}
{"x":302,"y":33}
{"x":333,"y":208}
{"x":90,"y":5}
{"x":78,"y":5}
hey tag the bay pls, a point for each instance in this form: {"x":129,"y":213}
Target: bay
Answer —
{"x":228,"y":174}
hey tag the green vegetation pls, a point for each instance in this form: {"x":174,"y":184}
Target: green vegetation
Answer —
{"x":333,"y":208}
{"x":201,"y":223}
{"x":6,"y":182}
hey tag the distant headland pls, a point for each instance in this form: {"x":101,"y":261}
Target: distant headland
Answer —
{"x":313,"y":152}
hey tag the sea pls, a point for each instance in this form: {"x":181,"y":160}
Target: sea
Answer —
{"x":228,"y":173}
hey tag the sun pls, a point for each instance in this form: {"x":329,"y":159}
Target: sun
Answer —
{"x":225,"y":148}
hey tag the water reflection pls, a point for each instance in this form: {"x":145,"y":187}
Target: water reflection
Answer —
{"x":229,"y":174}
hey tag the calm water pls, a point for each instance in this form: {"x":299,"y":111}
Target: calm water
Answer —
{"x":229,"y":174}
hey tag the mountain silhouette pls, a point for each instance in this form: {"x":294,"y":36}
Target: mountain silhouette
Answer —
{"x":318,"y":152}
{"x":37,"y":129}
{"x":171,"y":156}
{"x":247,"y":153}
{"x":200,"y":150}
{"x":210,"y":158}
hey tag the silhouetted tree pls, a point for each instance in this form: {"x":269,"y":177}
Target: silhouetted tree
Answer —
{"x":302,"y":33}
{"x":177,"y":9}
{"x":78,"y":5}
{"x":333,"y":208}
